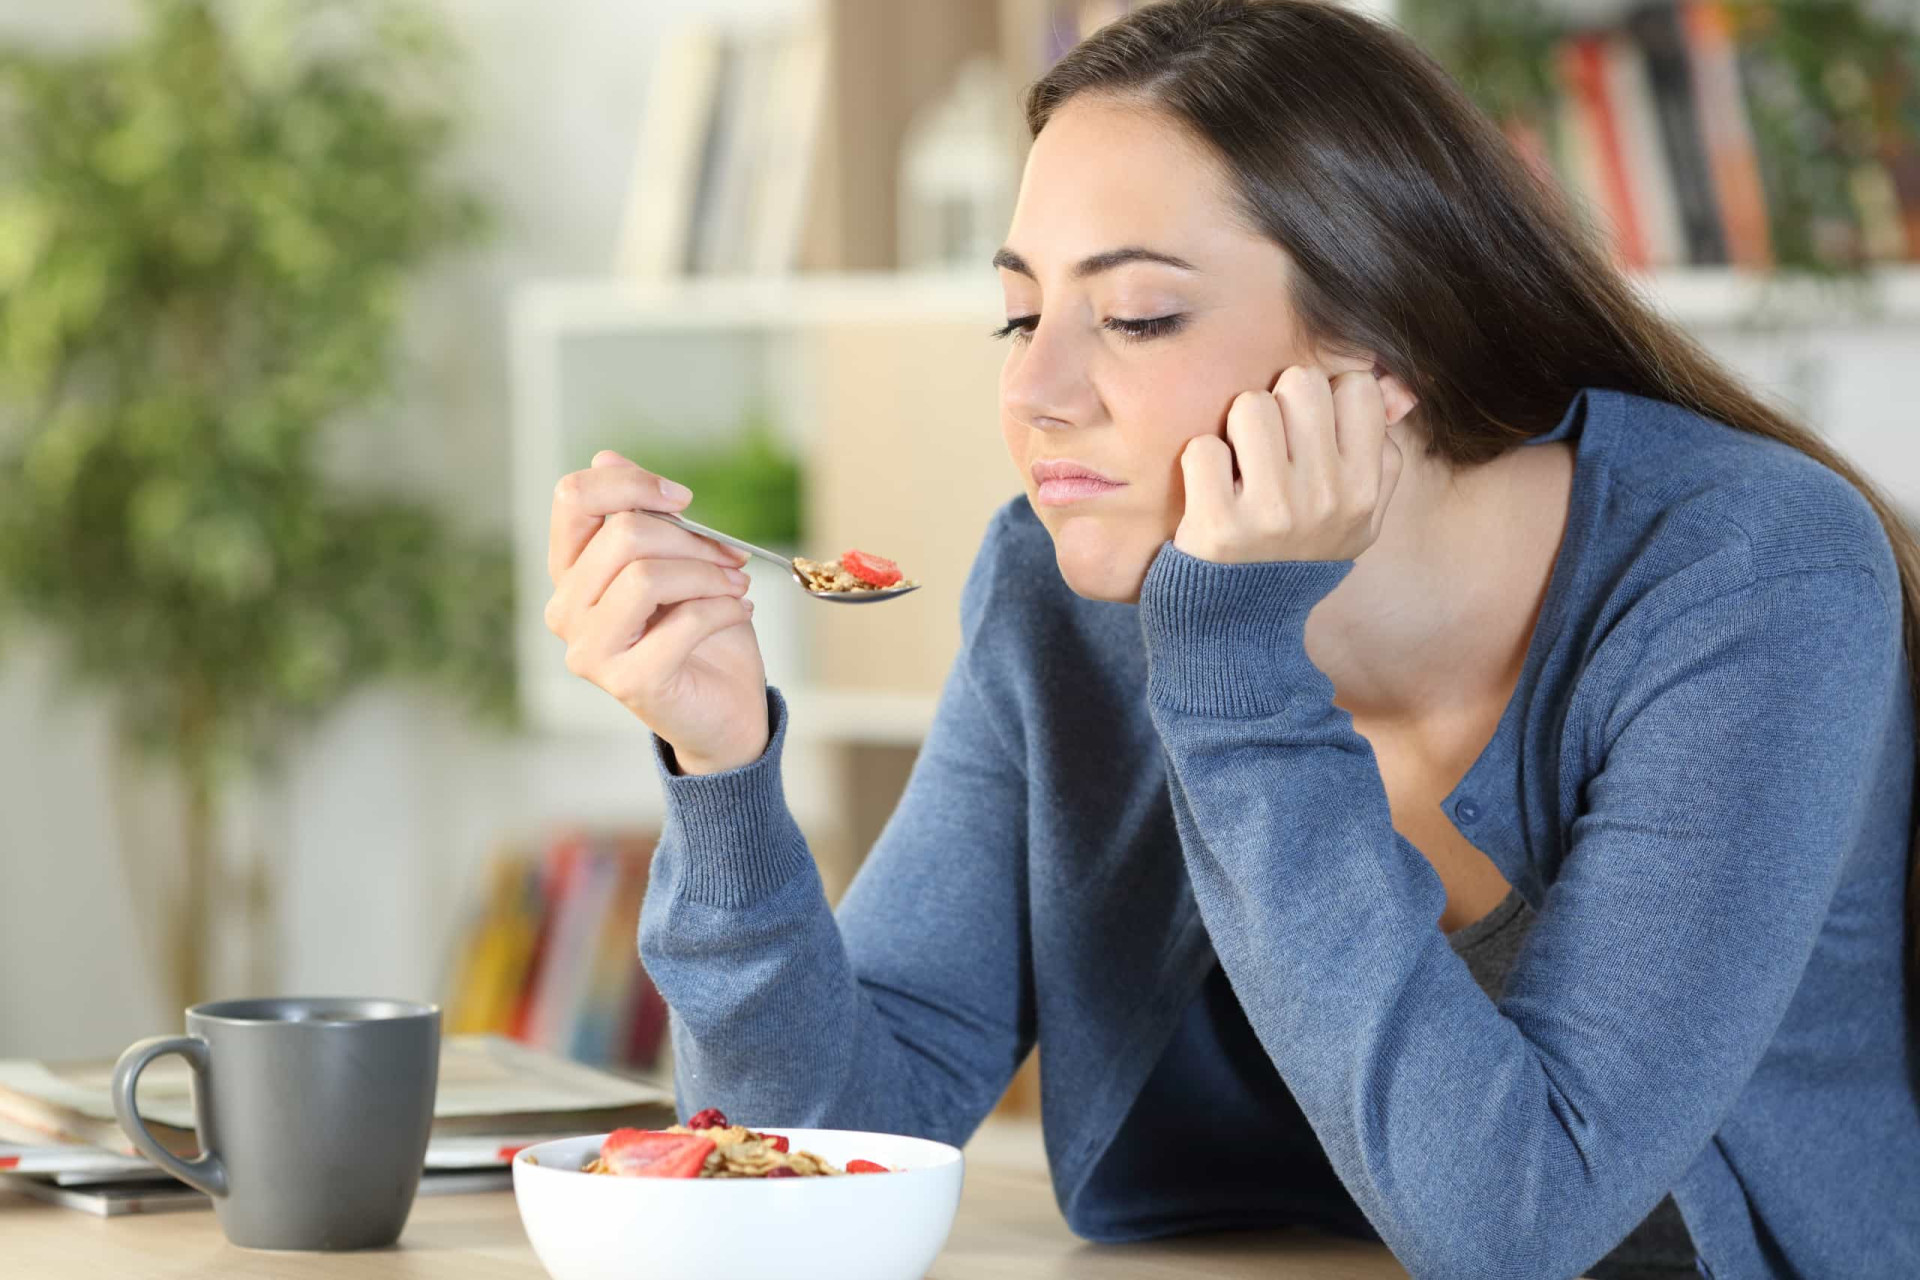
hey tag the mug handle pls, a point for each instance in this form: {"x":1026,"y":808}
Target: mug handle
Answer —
{"x":206,"y":1173}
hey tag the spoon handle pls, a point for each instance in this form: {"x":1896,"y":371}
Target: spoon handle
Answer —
{"x":695,"y":527}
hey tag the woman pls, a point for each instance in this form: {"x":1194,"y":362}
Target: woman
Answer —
{"x":1443,"y":771}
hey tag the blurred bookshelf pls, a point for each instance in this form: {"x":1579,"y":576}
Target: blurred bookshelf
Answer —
{"x":544,"y":953}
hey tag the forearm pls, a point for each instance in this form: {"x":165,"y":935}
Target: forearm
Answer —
{"x":771,"y":1021}
{"x":1524,"y":1138}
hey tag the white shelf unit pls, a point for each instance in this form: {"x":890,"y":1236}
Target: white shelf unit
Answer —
{"x":586,"y":352}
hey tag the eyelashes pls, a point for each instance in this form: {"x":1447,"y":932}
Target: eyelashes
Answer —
{"x":1020,"y":328}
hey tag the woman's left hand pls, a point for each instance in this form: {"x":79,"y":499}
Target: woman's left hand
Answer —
{"x":1316,"y":472}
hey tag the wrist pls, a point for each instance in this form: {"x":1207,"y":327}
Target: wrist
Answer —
{"x":688,"y":764}
{"x":738,"y":754}
{"x":1229,"y":638}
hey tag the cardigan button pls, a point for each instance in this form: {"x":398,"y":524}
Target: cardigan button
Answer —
{"x":1467,"y":809}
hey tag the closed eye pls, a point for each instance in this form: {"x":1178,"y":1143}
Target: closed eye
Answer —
{"x":1020,"y":328}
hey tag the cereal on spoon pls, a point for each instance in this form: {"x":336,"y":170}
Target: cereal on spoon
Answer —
{"x":853,"y":572}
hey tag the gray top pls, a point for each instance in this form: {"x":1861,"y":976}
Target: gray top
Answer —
{"x":1660,"y":1247}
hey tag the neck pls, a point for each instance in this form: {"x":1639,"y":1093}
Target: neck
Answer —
{"x":1437,"y":614}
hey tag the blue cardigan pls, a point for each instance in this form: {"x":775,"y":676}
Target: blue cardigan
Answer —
{"x":1703,"y":783}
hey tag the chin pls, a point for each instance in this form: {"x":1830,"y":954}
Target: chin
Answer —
{"x":1098,"y":563}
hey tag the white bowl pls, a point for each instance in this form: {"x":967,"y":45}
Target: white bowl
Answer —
{"x":864,"y":1226}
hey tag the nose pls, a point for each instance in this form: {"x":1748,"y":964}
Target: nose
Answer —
{"x":1044,"y":383}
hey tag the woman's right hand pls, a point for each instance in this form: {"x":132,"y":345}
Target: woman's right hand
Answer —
{"x":656,"y":615}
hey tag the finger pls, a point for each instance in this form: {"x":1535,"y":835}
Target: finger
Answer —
{"x":1206,"y":472}
{"x":582,"y":499}
{"x":1360,"y":426}
{"x":672,"y":639}
{"x":725,"y":553}
{"x":627,"y":539}
{"x":1307,"y":416}
{"x":627,"y":608}
{"x":1360,"y":420}
{"x":623,"y":544}
{"x":1259,"y":442}
{"x":1392,"y":462}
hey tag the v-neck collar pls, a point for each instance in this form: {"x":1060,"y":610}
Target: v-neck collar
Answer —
{"x":1485,"y":806}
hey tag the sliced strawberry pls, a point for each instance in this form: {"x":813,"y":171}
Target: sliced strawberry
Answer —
{"x":711,"y":1118}
{"x":778,"y":1141}
{"x":866,"y":1166}
{"x":649,"y":1153}
{"x":875,"y":571}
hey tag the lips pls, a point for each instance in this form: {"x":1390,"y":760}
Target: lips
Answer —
{"x":1061,"y":481}
{"x":1067,"y":469}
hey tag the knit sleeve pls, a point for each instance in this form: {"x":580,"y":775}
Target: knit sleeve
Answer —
{"x":907,"y":1010}
{"x":1524,"y":1138}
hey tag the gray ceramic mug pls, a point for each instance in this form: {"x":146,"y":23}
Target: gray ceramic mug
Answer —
{"x":313,"y":1115}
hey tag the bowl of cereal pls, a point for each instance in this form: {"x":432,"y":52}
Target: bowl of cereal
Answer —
{"x":799,"y":1204}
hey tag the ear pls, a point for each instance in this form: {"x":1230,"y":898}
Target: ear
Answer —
{"x":1399,"y":398}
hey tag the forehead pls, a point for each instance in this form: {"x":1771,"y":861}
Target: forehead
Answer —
{"x":1105,"y":173}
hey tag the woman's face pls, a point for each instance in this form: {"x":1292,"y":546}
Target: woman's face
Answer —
{"x":1076,"y":386}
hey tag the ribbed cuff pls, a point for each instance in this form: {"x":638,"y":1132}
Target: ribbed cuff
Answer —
{"x":1229,"y":639}
{"x":738,"y":839}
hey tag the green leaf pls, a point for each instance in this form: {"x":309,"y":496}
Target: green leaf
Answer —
{"x":206,"y":236}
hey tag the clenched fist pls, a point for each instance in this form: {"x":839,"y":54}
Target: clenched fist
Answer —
{"x":1317,"y":469}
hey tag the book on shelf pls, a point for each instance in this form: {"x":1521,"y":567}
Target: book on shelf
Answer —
{"x":728,"y":139}
{"x":1652,"y":132}
{"x":550,"y":955}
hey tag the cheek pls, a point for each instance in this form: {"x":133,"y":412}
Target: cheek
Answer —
{"x":1014,"y":436}
{"x":1156,"y":428}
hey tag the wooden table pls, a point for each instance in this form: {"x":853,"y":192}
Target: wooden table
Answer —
{"x":1008,"y":1229}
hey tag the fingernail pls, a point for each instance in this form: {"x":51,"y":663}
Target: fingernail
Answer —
{"x":674,"y":491}
{"x":748,"y":603}
{"x":736,"y":577}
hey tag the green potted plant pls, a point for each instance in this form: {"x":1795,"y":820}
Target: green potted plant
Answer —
{"x":204,"y":244}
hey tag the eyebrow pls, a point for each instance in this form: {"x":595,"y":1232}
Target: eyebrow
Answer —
{"x":1097,"y":263}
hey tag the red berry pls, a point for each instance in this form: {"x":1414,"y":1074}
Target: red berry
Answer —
{"x":875,"y":571}
{"x":866,"y":1166}
{"x":778,"y":1141}
{"x":781,"y":1171}
{"x":711,"y":1118}
{"x":650,"y":1153}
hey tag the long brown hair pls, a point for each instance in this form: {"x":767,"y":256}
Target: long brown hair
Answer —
{"x":1418,"y":233}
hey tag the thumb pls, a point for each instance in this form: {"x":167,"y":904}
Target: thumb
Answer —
{"x":608,"y":458}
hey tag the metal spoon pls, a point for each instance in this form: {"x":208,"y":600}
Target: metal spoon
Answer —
{"x":799,"y":579}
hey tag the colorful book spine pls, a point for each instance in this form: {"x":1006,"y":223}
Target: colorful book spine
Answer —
{"x":1656,"y":28}
{"x":1649,"y":175}
{"x":551,"y":954}
{"x":1583,"y":58}
{"x":1731,"y":157}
